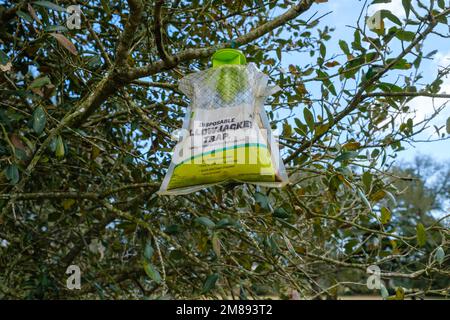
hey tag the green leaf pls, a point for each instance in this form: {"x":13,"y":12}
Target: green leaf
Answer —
{"x":323,"y":50}
{"x":344,"y":156}
{"x":321,"y":129}
{"x":39,"y":120}
{"x":387,"y":14}
{"x":431,"y":53}
{"x":210,"y":283}
{"x":49,"y":5}
{"x":400,"y":294}
{"x":389,"y":87}
{"x":367,"y":180}
{"x":356,"y":44}
{"x":385,"y":215}
{"x":206,"y":222}
{"x":421,"y":235}
{"x":301,"y":129}
{"x":281,"y":213}
{"x":3,"y":58}
{"x":402,"y":64}
{"x":39,"y":82}
{"x":59,"y":152}
{"x":344,"y":47}
{"x":309,"y":118}
{"x":152,"y":272}
{"x":439,"y":255}
{"x":262,"y":200}
{"x":25,"y":16}
{"x":407,"y":7}
{"x":325,"y":78}
{"x":148,"y":251}
{"x":330,"y":117}
{"x":405,"y":35}
{"x":12,"y":173}
{"x":225,"y":222}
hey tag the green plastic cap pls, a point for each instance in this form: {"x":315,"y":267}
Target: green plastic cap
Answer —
{"x":228,"y":56}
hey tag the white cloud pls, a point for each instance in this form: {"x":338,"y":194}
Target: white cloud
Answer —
{"x":424,"y":107}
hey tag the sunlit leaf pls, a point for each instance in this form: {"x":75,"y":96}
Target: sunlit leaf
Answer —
{"x":421,"y":235}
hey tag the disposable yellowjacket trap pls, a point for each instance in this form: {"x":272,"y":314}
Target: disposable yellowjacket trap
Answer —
{"x":226,"y":134}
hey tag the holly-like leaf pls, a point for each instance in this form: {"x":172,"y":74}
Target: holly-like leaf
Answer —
{"x":12,"y":173}
{"x":400,"y":294}
{"x":345,"y":156}
{"x":407,"y":6}
{"x":385,"y":215}
{"x":59,"y":152}
{"x":39,"y":120}
{"x":50,"y":5}
{"x":353,"y":145}
{"x":344,"y":47}
{"x":309,"y":118}
{"x":3,"y":58}
{"x":24,"y":16}
{"x":439,"y":255}
{"x":39,"y":82}
{"x":152,"y":272}
{"x":148,"y":251}
{"x":262,"y":200}
{"x":367,"y":180}
{"x":66,"y":43}
{"x":206,"y":222}
{"x":281,"y":213}
{"x":405,"y":35}
{"x":389,"y":15}
{"x":210,"y":283}
{"x":421,"y":235}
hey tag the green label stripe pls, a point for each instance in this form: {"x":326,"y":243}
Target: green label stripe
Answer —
{"x":245,"y":145}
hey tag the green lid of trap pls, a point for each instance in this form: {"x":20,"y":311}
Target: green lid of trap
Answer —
{"x":228,"y":56}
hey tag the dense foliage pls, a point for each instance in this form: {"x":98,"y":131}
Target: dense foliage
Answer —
{"x":86,"y":116}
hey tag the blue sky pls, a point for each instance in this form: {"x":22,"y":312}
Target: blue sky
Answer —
{"x":345,"y":13}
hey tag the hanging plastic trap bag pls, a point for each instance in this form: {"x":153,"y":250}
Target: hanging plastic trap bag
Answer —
{"x":226,"y":135}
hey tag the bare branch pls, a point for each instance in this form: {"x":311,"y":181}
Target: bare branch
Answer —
{"x":158,"y":32}
{"x":126,"y":39}
{"x":191,"y":54}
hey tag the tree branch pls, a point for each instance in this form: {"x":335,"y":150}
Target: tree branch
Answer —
{"x":354,"y":103}
{"x":405,"y":94}
{"x":158,"y":32}
{"x":191,"y":54}
{"x":126,"y":39}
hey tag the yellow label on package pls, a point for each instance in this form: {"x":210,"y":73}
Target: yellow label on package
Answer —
{"x":224,"y":141}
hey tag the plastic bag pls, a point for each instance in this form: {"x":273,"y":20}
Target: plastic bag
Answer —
{"x":226,"y":134}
